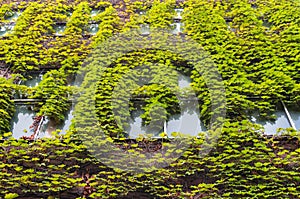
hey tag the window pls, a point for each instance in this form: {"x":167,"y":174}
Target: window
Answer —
{"x":286,"y":117}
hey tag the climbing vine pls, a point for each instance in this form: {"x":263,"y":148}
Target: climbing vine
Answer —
{"x":254,"y":45}
{"x":6,"y":105}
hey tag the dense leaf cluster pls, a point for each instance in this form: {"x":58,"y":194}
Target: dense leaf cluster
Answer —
{"x":243,"y":164}
{"x":254,"y":45}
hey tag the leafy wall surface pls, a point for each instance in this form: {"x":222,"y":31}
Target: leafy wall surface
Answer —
{"x":255,"y":46}
{"x":242,"y":165}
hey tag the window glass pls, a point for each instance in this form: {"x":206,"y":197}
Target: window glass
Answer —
{"x":177,"y":28}
{"x":34,"y":80}
{"x":14,"y":17}
{"x":94,"y":12}
{"x":187,"y":122}
{"x":49,"y":126}
{"x":93,"y":29}
{"x":271,"y":126}
{"x":294,"y":111}
{"x":145,"y":29}
{"x":22,"y":120}
{"x":136,"y":127}
{"x":178,"y":13}
{"x":59,"y":29}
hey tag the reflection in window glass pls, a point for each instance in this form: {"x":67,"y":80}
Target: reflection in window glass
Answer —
{"x":184,"y":81}
{"x":13,"y":17}
{"x":49,"y":126}
{"x":6,"y":29}
{"x":59,"y":29}
{"x":295,"y":114}
{"x":34,"y":80}
{"x":177,"y":28}
{"x":136,"y":127}
{"x":21,"y":121}
{"x":142,"y":13}
{"x":46,"y":129}
{"x":93,"y":29}
{"x":178,"y":13}
{"x":187,"y":122}
{"x":69,"y":14}
{"x":67,"y":123}
{"x":24,"y":118}
{"x":94,"y":12}
{"x":271,"y":127}
{"x":2,"y":31}
{"x":145,"y":29}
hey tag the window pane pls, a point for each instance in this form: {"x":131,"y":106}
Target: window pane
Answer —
{"x":59,"y":29}
{"x":34,"y":80}
{"x":271,"y":127}
{"x":136,"y":127}
{"x":177,"y":28}
{"x":21,"y":121}
{"x":295,"y":114}
{"x":93,"y":29}
{"x":187,"y":122}
{"x":178,"y":13}
{"x":48,"y":126}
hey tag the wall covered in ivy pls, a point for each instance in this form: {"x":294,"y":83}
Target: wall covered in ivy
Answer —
{"x":255,"y":47}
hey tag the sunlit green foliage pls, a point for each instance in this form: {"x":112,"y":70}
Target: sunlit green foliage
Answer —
{"x":109,"y":24}
{"x":53,"y":90}
{"x":255,"y":46}
{"x":6,"y":104}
